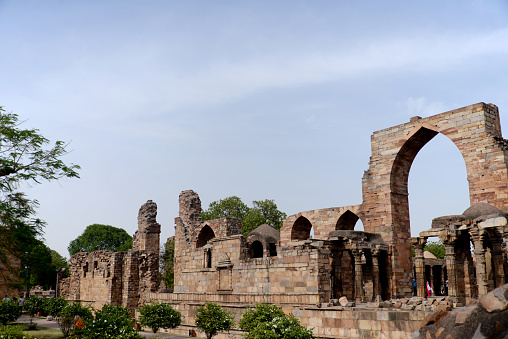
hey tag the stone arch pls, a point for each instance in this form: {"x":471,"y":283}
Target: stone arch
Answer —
{"x":301,"y":229}
{"x":476,"y":132}
{"x":205,"y":234}
{"x":347,"y":221}
{"x":256,"y":249}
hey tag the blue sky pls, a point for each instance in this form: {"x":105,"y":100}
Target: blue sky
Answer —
{"x":259,"y":99}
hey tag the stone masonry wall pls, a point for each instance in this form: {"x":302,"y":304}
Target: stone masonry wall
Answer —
{"x":327,"y":321}
{"x":476,"y":132}
{"x":323,"y":221}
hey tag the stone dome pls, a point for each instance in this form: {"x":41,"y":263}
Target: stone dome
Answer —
{"x":266,"y":232}
{"x":481,"y":209}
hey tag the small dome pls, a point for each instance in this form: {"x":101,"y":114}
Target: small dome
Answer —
{"x":428,"y":255}
{"x":480,"y":209}
{"x":266,"y":232}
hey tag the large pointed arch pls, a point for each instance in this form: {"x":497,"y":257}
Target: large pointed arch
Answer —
{"x":301,"y":229}
{"x":347,"y":221}
{"x":204,"y":236}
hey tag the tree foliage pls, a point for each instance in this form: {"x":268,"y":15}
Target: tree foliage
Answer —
{"x":159,"y":315}
{"x":286,"y":327}
{"x":262,"y":212}
{"x":262,"y":313}
{"x":9,"y":311}
{"x":167,"y":263}
{"x":24,"y":158}
{"x":435,"y":247}
{"x":212,"y":319}
{"x":269,"y":322}
{"x":99,"y":237}
{"x":111,"y":322}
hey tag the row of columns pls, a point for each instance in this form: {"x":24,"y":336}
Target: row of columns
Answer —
{"x":482,"y":278}
{"x":358,"y":285}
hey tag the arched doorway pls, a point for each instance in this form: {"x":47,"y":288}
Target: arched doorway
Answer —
{"x":301,"y":229}
{"x":204,"y":236}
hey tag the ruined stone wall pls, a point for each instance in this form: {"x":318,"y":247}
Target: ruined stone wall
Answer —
{"x":327,"y":321}
{"x":118,"y":278}
{"x":323,"y":221}
{"x":147,"y":237}
{"x":476,"y":132}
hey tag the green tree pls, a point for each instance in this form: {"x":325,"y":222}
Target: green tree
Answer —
{"x":285,"y":327}
{"x":262,"y":313}
{"x":113,"y":322}
{"x":232,"y":207}
{"x":435,"y":247}
{"x":99,"y":237}
{"x":159,"y":315}
{"x":24,"y":158}
{"x":69,"y":312}
{"x":262,"y":212}
{"x":167,"y":263}
{"x":53,"y":306}
{"x":9,"y":311}
{"x":212,"y":319}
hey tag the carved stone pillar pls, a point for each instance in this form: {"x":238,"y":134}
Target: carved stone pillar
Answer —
{"x":448,"y":241}
{"x":498,"y":261}
{"x":357,"y":255}
{"x":375,"y":273}
{"x":481,"y":265}
{"x":419,"y":245}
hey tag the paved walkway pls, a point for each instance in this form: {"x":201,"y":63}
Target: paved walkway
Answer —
{"x":53,"y":324}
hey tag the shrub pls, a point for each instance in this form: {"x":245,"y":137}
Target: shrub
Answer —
{"x":33,"y":305}
{"x":159,"y":315}
{"x":54,"y":306}
{"x":270,"y":322}
{"x":112,"y":322}
{"x":67,"y":315}
{"x":9,"y":311}
{"x":285,"y":327}
{"x":212,"y":319}
{"x":262,"y":313}
{"x":13,"y":332}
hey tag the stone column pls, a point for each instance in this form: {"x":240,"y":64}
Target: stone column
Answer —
{"x":481,"y":265}
{"x":357,"y":255}
{"x":375,"y":274}
{"x":449,"y":243}
{"x":498,"y":261}
{"x":418,"y":246}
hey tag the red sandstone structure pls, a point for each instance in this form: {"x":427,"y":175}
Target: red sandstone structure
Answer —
{"x":215,"y":262}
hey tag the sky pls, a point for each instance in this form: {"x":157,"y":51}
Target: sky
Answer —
{"x":257,"y":99}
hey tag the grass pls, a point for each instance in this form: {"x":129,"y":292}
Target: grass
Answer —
{"x":46,"y":333}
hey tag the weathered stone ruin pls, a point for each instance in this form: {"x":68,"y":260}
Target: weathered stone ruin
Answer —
{"x":341,"y":282}
{"x":118,"y":278}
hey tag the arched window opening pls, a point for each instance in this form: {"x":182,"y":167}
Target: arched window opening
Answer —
{"x":256,"y":249}
{"x":204,"y":236}
{"x":349,"y":221}
{"x":273,"y":249}
{"x":208,"y":258}
{"x":301,"y":229}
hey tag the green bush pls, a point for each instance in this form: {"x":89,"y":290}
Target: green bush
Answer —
{"x":9,"y":311}
{"x":54,"y":306}
{"x":159,"y":315}
{"x":33,"y":305}
{"x":285,"y":327}
{"x":67,"y":315}
{"x":262,"y":313}
{"x":270,"y":322}
{"x":112,"y":322}
{"x":212,"y":319}
{"x":13,"y":332}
